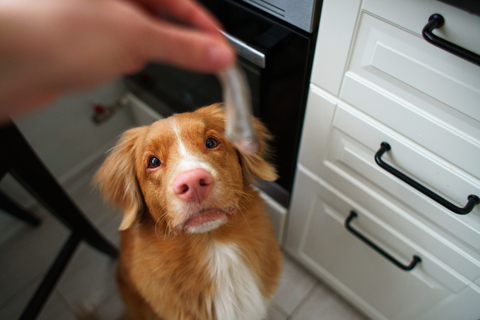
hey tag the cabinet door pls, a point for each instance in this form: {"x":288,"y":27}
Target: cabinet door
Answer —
{"x":463,"y":306}
{"x":317,"y":237}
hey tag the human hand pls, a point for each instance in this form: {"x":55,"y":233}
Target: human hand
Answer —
{"x":50,"y":47}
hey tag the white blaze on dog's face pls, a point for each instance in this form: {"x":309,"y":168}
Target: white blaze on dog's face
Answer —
{"x":188,"y":173}
{"x":191,"y":178}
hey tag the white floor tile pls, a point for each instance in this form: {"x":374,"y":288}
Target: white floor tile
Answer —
{"x":323,"y":303}
{"x":10,"y":226}
{"x":112,"y":308}
{"x":295,"y":284}
{"x":28,"y":254}
{"x":14,"y":308}
{"x":90,"y":201}
{"x":276,"y":313}
{"x":89,"y":279}
{"x":109,"y":229}
{"x":55,"y":308}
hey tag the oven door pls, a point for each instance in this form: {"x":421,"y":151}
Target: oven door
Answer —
{"x":276,"y":61}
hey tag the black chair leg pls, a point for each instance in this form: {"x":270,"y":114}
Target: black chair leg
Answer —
{"x":11,"y":207}
{"x":48,"y":284}
{"x":20,"y":160}
{"x":27,"y":169}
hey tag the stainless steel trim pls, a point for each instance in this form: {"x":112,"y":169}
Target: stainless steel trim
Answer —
{"x":244,"y":50}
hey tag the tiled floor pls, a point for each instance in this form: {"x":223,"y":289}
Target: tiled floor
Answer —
{"x":26,"y":253}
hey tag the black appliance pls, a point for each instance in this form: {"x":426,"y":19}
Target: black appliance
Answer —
{"x":277,"y":58}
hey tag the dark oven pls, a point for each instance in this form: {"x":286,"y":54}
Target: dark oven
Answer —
{"x":275,"y":47}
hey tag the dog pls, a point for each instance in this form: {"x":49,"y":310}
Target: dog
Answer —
{"x":196,"y":242}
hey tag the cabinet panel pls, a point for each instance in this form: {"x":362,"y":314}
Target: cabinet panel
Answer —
{"x":376,"y":79}
{"x":463,"y":306}
{"x":350,"y":165}
{"x":439,"y":242}
{"x":447,"y":142}
{"x":379,"y":287}
{"x":349,"y":144}
{"x":316,"y":127}
{"x":329,"y":62}
{"x":415,"y":162}
{"x":460,"y":27}
{"x":426,"y":98}
{"x":410,"y":67}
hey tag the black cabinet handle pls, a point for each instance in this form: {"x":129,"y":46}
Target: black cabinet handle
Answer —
{"x":472,"y":199}
{"x":416,"y":259}
{"x":437,"y":21}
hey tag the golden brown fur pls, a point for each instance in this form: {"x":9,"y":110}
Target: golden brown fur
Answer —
{"x":163,"y":271}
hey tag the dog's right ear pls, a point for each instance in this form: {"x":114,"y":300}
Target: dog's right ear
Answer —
{"x":117,"y":180}
{"x":256,"y":165}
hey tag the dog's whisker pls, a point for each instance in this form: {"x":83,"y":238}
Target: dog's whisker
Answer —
{"x":162,"y":217}
{"x":240,"y":208}
{"x":156,"y":223}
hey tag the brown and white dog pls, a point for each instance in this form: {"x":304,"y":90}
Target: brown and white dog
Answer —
{"x":196,"y":241}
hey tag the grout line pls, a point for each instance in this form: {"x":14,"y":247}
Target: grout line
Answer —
{"x":65,"y":302}
{"x":303,"y":301}
{"x":279,"y":309}
{"x":35,"y":282}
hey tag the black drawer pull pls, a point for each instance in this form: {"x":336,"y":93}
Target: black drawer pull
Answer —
{"x":416,"y":259}
{"x":437,"y":21}
{"x":472,"y":199}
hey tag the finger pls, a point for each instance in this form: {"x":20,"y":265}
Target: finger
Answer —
{"x":186,"y":11}
{"x":189,"y":49}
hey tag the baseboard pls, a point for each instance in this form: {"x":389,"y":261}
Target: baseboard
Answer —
{"x":277,"y":213}
{"x":76,"y":176}
{"x":142,"y":113}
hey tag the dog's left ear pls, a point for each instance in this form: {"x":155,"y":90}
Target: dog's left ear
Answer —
{"x":117,"y":179}
{"x":256,"y":165}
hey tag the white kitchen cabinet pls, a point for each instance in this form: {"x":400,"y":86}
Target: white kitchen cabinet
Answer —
{"x":375,"y":79}
{"x":360,"y":273}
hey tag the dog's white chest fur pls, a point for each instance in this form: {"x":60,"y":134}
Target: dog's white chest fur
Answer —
{"x":237,"y":296}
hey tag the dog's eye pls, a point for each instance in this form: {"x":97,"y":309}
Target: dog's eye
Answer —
{"x":154,"y":162}
{"x":211,"y":143}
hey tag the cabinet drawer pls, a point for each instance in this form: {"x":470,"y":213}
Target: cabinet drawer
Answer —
{"x":460,"y":27}
{"x":337,"y":133}
{"x":428,"y":95}
{"x":317,"y":236}
{"x":463,"y":306}
{"x":350,"y":166}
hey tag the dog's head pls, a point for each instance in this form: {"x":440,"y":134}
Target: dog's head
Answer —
{"x":182,"y":171}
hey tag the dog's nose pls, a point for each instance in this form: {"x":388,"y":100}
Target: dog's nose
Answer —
{"x":193,"y":185}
